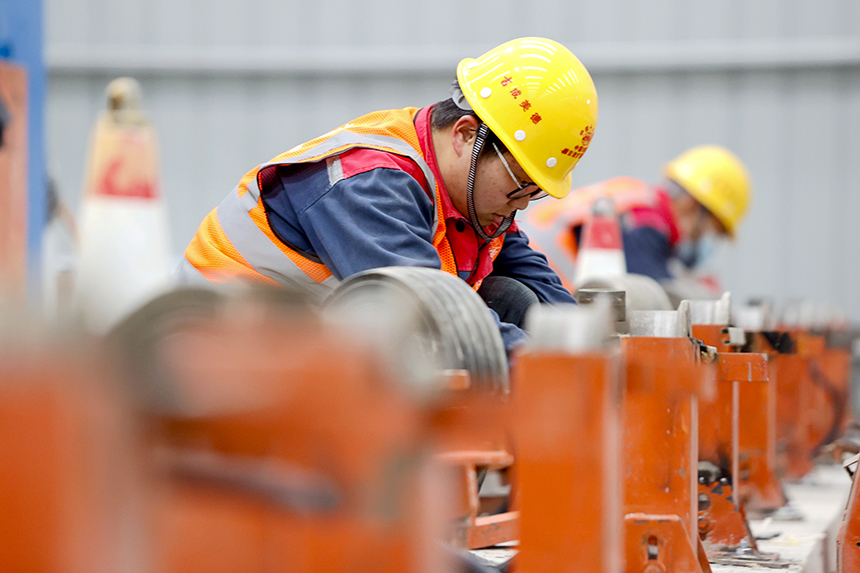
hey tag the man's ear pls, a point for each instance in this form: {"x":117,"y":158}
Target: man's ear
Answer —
{"x":463,"y":134}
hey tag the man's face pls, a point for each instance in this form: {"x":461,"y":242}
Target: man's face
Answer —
{"x":493,"y":184}
{"x":708,"y":226}
{"x":703,"y":234}
{"x":494,"y":181}
{"x":695,"y":221}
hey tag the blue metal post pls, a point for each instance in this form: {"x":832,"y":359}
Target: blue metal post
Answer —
{"x":21,"y":40}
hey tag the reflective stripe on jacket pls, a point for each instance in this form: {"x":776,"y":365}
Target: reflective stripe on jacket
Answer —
{"x":236,"y":241}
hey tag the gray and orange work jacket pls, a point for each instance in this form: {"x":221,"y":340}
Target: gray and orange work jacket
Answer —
{"x":649,"y":226}
{"x":365,"y":195}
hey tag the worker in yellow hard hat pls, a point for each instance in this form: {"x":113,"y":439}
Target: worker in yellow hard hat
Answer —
{"x":433,"y":187}
{"x":703,"y":198}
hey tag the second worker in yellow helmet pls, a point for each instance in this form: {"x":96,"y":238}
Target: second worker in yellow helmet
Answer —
{"x":434,"y":187}
{"x":665,"y":227}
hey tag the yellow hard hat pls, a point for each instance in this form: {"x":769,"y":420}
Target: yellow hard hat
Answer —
{"x":539,"y":99}
{"x":717,"y":179}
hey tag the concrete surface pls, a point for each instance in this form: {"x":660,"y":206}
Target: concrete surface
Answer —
{"x":805,"y":545}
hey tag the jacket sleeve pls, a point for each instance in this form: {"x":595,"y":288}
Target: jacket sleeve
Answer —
{"x":647,"y":251}
{"x":377,"y":219}
{"x":512,"y":335}
{"x":380,"y":218}
{"x":519,"y":261}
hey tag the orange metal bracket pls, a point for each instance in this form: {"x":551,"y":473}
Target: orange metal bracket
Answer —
{"x":807,"y":408}
{"x":761,"y":491}
{"x":68,"y":465}
{"x":757,"y":485}
{"x":464,"y":426}
{"x":283,"y":458}
{"x":566,"y":434}
{"x":722,"y":521}
{"x":478,"y":531}
{"x":754,"y":477}
{"x":660,"y":544}
{"x":664,"y":380}
{"x":715,"y":335}
{"x":835,"y":364}
{"x":471,"y":436}
{"x":848,"y":538}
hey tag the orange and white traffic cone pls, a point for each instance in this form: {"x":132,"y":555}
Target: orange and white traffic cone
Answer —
{"x":124,"y":240}
{"x":601,"y":254}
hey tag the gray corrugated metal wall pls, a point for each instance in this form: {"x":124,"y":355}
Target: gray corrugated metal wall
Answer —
{"x":230,"y":84}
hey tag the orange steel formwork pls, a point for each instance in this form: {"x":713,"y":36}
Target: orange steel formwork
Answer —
{"x":664,"y":381}
{"x":786,"y":370}
{"x":820,"y":406}
{"x":752,"y":433}
{"x":282,"y":458}
{"x":472,"y":438}
{"x":848,"y":537}
{"x":759,"y":488}
{"x":809,"y":412}
{"x":738,"y":436}
{"x":723,"y":424}
{"x":844,"y":346}
{"x":794,"y":453}
{"x":835,"y":364}
{"x":812,"y":401}
{"x":566,"y":424}
{"x":715,"y":335}
{"x":69,"y":493}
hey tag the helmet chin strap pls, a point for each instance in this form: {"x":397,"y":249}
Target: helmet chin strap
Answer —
{"x":480,"y":139}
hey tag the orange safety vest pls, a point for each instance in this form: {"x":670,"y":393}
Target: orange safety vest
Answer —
{"x":549,"y":224}
{"x":235,"y":240}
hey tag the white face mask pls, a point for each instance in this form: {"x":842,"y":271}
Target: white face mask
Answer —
{"x":697,"y":253}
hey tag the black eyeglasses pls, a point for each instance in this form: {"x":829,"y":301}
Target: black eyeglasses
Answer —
{"x":522,"y":186}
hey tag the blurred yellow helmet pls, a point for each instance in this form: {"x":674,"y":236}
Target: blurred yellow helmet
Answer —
{"x":717,"y":179}
{"x":539,"y":99}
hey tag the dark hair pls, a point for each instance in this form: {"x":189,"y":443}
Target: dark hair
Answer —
{"x":446,"y":113}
